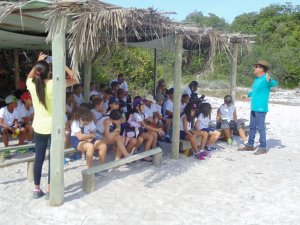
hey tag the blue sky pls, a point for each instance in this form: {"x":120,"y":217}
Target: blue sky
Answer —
{"x":227,"y":9}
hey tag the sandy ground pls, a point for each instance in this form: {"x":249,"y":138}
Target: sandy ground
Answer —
{"x":231,"y":187}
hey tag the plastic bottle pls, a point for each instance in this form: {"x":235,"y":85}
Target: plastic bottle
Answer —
{"x":16,"y":133}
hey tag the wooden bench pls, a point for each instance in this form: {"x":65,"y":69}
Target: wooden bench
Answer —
{"x":88,"y":175}
{"x":13,"y":147}
{"x":29,"y":159}
{"x":186,"y":148}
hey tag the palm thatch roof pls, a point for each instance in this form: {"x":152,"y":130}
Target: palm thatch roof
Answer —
{"x":92,"y":24}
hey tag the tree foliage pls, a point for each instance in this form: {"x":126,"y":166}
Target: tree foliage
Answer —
{"x":277,"y":30}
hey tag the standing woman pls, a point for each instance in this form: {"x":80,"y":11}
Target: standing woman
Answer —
{"x":40,"y":86}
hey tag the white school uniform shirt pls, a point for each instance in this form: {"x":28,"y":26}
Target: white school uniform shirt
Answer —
{"x":8,"y":118}
{"x":136,"y":117}
{"x":78,"y":99}
{"x":23,"y":112}
{"x":96,"y":93}
{"x":123,"y":85}
{"x":188,"y":91}
{"x":18,"y":109}
{"x":105,"y":105}
{"x":76,"y":127}
{"x":189,"y":124}
{"x":168,"y":105}
{"x":182,"y":106}
{"x":227,"y":112}
{"x":100,"y":127}
{"x":202,"y":122}
{"x":150,"y":111}
{"x":69,"y":108}
{"x":97,"y":115}
{"x":158,"y":108}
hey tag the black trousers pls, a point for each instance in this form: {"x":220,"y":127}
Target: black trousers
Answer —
{"x":41,"y":143}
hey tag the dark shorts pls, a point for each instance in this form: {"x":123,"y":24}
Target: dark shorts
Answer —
{"x":74,"y":141}
{"x":224,"y":124}
{"x":182,"y":135}
{"x":208,"y":130}
{"x":1,"y":129}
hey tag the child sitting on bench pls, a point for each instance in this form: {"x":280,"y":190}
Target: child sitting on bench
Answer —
{"x":83,"y":136}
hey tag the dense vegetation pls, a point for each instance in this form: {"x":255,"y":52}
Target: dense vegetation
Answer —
{"x":278,"y":40}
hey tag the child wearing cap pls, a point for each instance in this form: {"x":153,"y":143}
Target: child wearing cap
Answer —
{"x":153,"y":116}
{"x":202,"y":124}
{"x":26,"y":113}
{"x":227,"y":120}
{"x":9,"y":121}
{"x":188,"y":133}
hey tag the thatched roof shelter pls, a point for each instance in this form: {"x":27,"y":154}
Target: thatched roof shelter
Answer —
{"x":92,"y":24}
{"x":88,"y":25}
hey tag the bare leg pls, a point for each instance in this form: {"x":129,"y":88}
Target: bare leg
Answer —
{"x":102,"y":148}
{"x":154,"y":142}
{"x":5,"y":136}
{"x":87,"y":147}
{"x":131,"y":144}
{"x":242,"y":135}
{"x":22,"y":136}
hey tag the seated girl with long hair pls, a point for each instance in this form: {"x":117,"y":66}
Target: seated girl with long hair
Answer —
{"x":187,"y":133}
{"x":83,"y":136}
{"x":108,"y":130}
{"x":149,"y":133}
{"x":202,"y":124}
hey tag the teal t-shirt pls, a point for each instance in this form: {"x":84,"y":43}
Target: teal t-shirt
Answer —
{"x":260,"y":93}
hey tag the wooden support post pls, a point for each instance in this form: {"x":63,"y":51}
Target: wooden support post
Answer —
{"x":87,"y":79}
{"x":1,"y":157}
{"x":30,"y":175}
{"x":177,"y":96}
{"x":233,"y":70}
{"x":155,"y":71}
{"x":58,"y":124}
{"x":88,"y":182}
{"x":156,"y":159}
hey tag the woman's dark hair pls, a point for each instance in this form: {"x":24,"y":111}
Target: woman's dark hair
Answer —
{"x":187,"y":111}
{"x":205,"y":109}
{"x":115,"y":115}
{"x":42,"y":70}
{"x":83,"y":113}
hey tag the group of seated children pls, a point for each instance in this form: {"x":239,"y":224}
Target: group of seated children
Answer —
{"x":16,"y":118}
{"x":109,"y":120}
{"x":195,"y":123}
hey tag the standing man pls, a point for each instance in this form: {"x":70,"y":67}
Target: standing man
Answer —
{"x":259,"y":106}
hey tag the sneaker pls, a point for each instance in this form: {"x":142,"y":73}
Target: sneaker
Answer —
{"x":210,"y":148}
{"x":246,"y":148}
{"x":7,"y":154}
{"x":205,"y":154}
{"x":260,"y":151}
{"x":199,"y":155}
{"x":167,"y":139}
{"x":229,"y":141}
{"x":37,"y":194}
{"x":66,"y":161}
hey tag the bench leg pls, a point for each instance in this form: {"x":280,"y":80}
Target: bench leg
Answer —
{"x":88,"y":183}
{"x":156,"y":160}
{"x":30,"y":166}
{"x":1,"y":157}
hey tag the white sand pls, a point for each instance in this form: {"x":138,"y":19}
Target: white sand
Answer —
{"x":231,"y":187}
